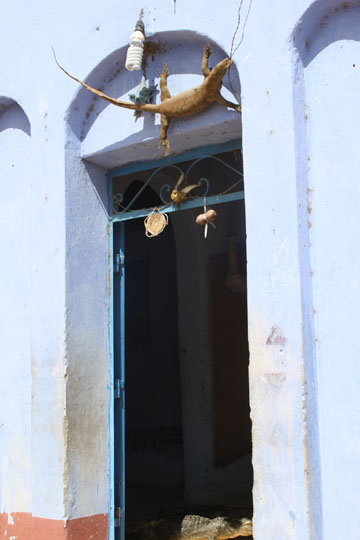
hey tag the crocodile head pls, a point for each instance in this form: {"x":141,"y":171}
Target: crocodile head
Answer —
{"x":213,"y":82}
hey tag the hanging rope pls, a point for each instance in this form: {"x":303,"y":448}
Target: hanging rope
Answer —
{"x":236,"y":29}
{"x":232,"y":50}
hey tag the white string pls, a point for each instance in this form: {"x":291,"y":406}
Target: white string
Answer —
{"x":207,"y":222}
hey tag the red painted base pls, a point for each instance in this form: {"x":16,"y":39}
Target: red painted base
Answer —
{"x":23,"y":526}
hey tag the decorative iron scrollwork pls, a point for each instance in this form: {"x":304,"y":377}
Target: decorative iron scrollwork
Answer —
{"x":118,"y":206}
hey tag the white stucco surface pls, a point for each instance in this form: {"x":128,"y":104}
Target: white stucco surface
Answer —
{"x":299,"y":74}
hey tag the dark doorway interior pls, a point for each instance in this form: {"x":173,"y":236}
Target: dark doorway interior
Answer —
{"x":153,"y":417}
{"x":188,"y":429}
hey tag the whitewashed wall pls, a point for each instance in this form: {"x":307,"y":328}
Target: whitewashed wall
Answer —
{"x":299,"y":77}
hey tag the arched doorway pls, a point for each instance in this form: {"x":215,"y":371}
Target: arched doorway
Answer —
{"x":105,"y":138}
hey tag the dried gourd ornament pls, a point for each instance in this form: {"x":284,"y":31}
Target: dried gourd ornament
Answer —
{"x":155,"y":223}
{"x":207,"y":218}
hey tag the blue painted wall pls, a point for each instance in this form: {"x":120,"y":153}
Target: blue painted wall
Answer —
{"x":299,"y":74}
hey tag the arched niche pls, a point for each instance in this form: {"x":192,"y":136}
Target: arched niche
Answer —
{"x":110,"y":136}
{"x":327,"y":131}
{"x":324,"y":23}
{"x":13,"y":116}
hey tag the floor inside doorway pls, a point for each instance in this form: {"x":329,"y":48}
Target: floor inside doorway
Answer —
{"x":193,"y":523}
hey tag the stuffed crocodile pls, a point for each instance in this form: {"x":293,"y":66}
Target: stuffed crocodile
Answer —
{"x":185,"y":103}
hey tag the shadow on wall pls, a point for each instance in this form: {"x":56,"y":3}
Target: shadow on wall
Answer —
{"x":324,"y":23}
{"x":182,"y":50}
{"x":13,"y":116}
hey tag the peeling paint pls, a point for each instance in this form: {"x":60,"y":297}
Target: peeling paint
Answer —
{"x":275,"y":337}
{"x":276,"y":380}
{"x":277,"y":431}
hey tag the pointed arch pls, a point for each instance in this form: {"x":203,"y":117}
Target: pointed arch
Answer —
{"x":12,"y":115}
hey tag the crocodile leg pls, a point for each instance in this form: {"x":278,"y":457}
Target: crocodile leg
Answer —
{"x":165,"y":94}
{"x":205,"y":60}
{"x":163,"y":134}
{"x":225,"y":103}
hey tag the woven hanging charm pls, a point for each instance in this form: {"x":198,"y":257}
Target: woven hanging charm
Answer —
{"x":155,"y":223}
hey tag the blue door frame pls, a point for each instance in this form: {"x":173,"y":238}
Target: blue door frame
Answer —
{"x":117,"y":315}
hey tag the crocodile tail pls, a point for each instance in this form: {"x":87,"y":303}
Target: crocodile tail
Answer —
{"x":147,"y":107}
